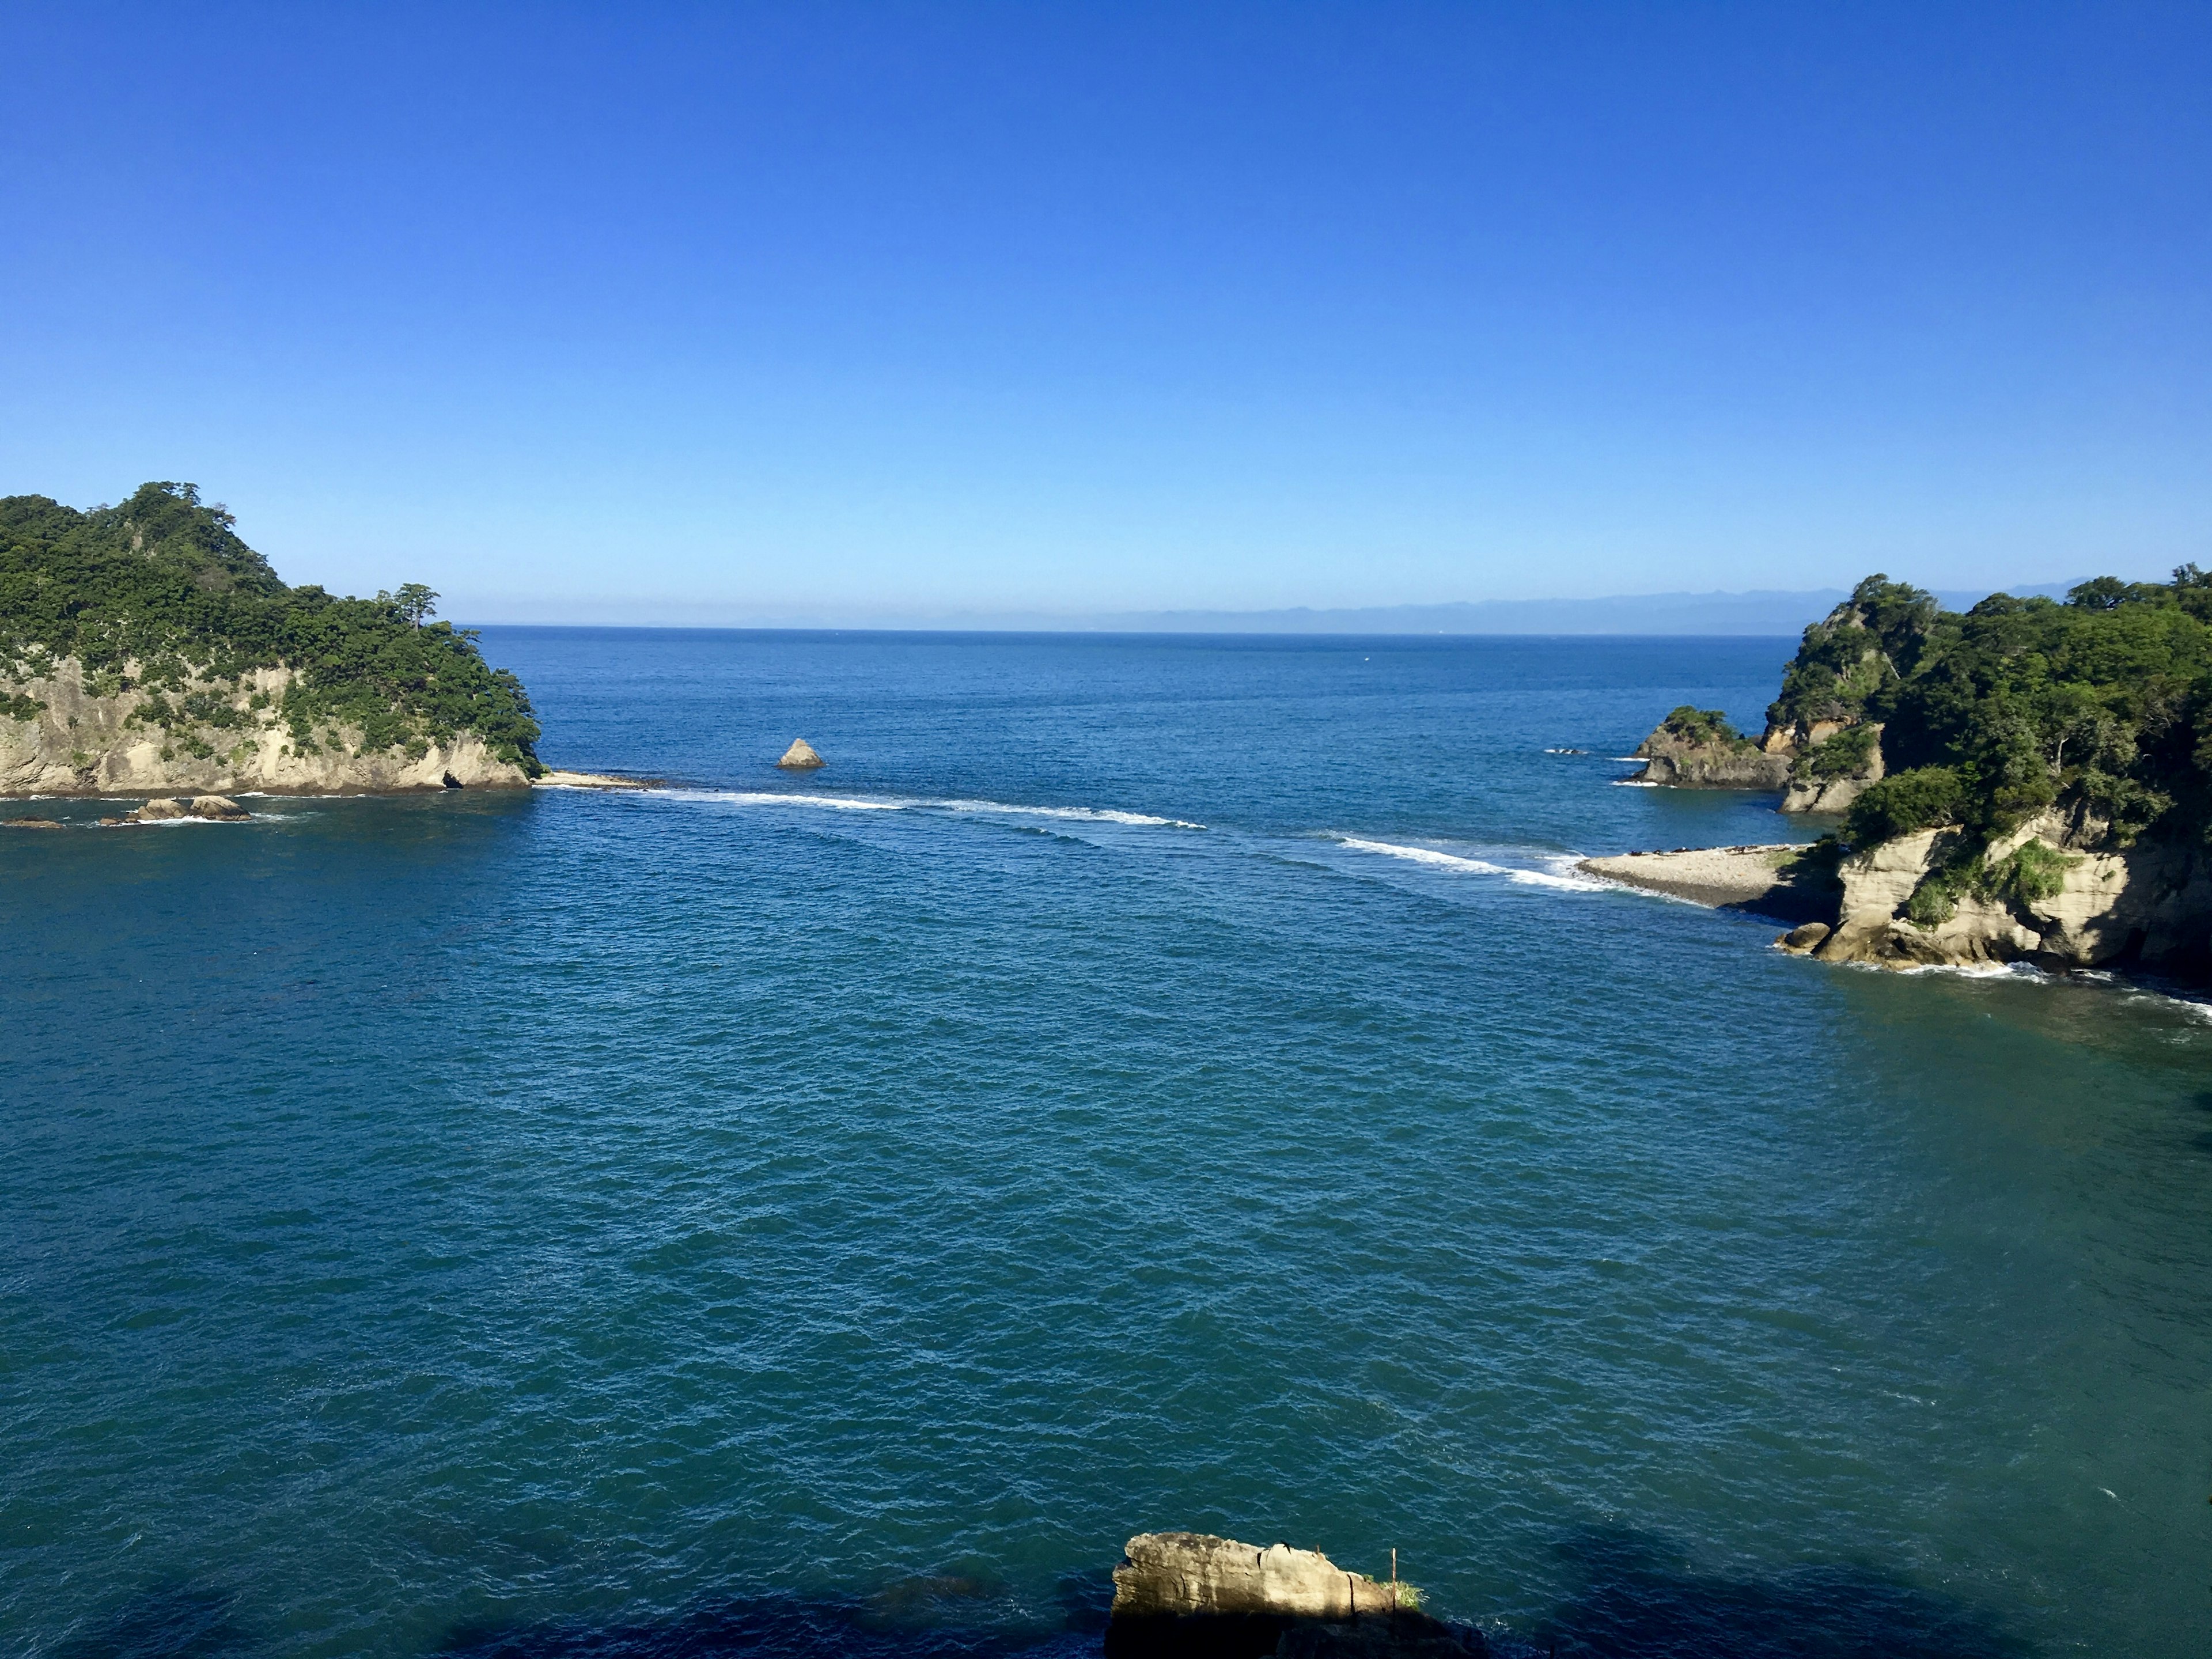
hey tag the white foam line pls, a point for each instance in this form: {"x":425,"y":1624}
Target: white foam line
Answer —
{"x":768,"y":797}
{"x":1481,"y":866}
{"x":877,"y":804}
{"x":1079,"y":814}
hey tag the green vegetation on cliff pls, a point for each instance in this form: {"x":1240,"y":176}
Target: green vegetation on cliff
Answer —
{"x":160,"y":591}
{"x":1703,"y":728}
{"x":2102,"y":704}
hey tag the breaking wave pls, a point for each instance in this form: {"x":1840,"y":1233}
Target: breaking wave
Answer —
{"x":926,"y":804}
{"x":1556,"y":870}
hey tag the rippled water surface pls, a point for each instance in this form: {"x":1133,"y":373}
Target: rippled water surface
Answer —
{"x":1137,"y":1084}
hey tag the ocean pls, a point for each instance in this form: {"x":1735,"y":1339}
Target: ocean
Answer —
{"x":1141,"y":1083}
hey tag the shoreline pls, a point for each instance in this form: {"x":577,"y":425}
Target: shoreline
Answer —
{"x":1745,"y":879}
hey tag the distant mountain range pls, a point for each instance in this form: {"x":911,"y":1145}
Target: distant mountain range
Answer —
{"x":1762,"y":612}
{"x":1758,"y":612}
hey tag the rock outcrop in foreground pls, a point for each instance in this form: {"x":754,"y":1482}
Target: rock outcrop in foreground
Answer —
{"x":1193,"y":1596}
{"x":81,"y":743}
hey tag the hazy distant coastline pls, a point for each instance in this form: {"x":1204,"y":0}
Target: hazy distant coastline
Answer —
{"x":1759,"y":612}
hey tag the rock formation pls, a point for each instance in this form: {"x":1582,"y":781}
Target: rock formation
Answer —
{"x":219,"y":808}
{"x":1683,"y":761}
{"x":81,"y":743}
{"x":1913,"y":902}
{"x":1193,"y":1596}
{"x":800,"y":757}
{"x":1820,"y":768}
{"x":31,"y":823}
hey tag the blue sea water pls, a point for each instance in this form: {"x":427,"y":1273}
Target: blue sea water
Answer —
{"x":1139,"y":1083}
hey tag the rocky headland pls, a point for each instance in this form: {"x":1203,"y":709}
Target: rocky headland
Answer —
{"x":145,"y":648}
{"x":2027,"y":782}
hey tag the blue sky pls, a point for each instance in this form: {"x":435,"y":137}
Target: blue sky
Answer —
{"x":733,"y":314}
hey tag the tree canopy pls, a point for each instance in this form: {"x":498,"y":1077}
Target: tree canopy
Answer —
{"x":2101,"y":705}
{"x":160,"y":592}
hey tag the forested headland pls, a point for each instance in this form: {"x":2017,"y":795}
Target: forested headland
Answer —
{"x":158,"y":595}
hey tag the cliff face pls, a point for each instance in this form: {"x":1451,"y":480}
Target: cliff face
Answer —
{"x":84,"y":744}
{"x":2150,"y":904}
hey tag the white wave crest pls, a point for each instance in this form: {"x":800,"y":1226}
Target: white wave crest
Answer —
{"x":1558,"y":871}
{"x":775,"y":798}
{"x":1079,"y":814}
{"x":923,"y":804}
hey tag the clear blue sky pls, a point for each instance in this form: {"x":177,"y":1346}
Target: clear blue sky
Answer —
{"x":726,"y":311}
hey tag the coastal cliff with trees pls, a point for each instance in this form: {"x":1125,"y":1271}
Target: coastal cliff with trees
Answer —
{"x":2029,"y":779}
{"x":145,"y":647}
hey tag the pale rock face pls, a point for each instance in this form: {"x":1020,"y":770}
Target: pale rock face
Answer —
{"x":800,"y":757}
{"x":1185,"y":1574}
{"x":83,"y":744}
{"x":2149,"y":902}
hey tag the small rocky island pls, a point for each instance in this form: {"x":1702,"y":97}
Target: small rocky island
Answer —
{"x":1193,"y":1596}
{"x":2028,"y":780}
{"x":146,"y":649}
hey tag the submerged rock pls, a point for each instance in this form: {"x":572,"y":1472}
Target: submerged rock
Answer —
{"x":31,"y":823}
{"x":800,"y":757}
{"x":1194,"y":1595}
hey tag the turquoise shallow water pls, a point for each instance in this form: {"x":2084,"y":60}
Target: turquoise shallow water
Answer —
{"x":1139,"y":1084}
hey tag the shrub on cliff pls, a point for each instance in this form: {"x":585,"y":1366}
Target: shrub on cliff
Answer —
{"x":1925,"y":798}
{"x":160,"y":590}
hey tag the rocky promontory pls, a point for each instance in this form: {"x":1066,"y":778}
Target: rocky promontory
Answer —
{"x":145,"y":648}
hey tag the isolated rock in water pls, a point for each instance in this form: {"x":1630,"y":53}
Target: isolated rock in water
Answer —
{"x":154,"y":811}
{"x":218,"y":806}
{"x":1192,"y":1595}
{"x":31,"y":823}
{"x":1181,"y":1572}
{"x":800,"y":757}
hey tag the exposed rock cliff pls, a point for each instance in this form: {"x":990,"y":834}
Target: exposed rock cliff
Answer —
{"x":86,"y":743}
{"x":2045,"y":894}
